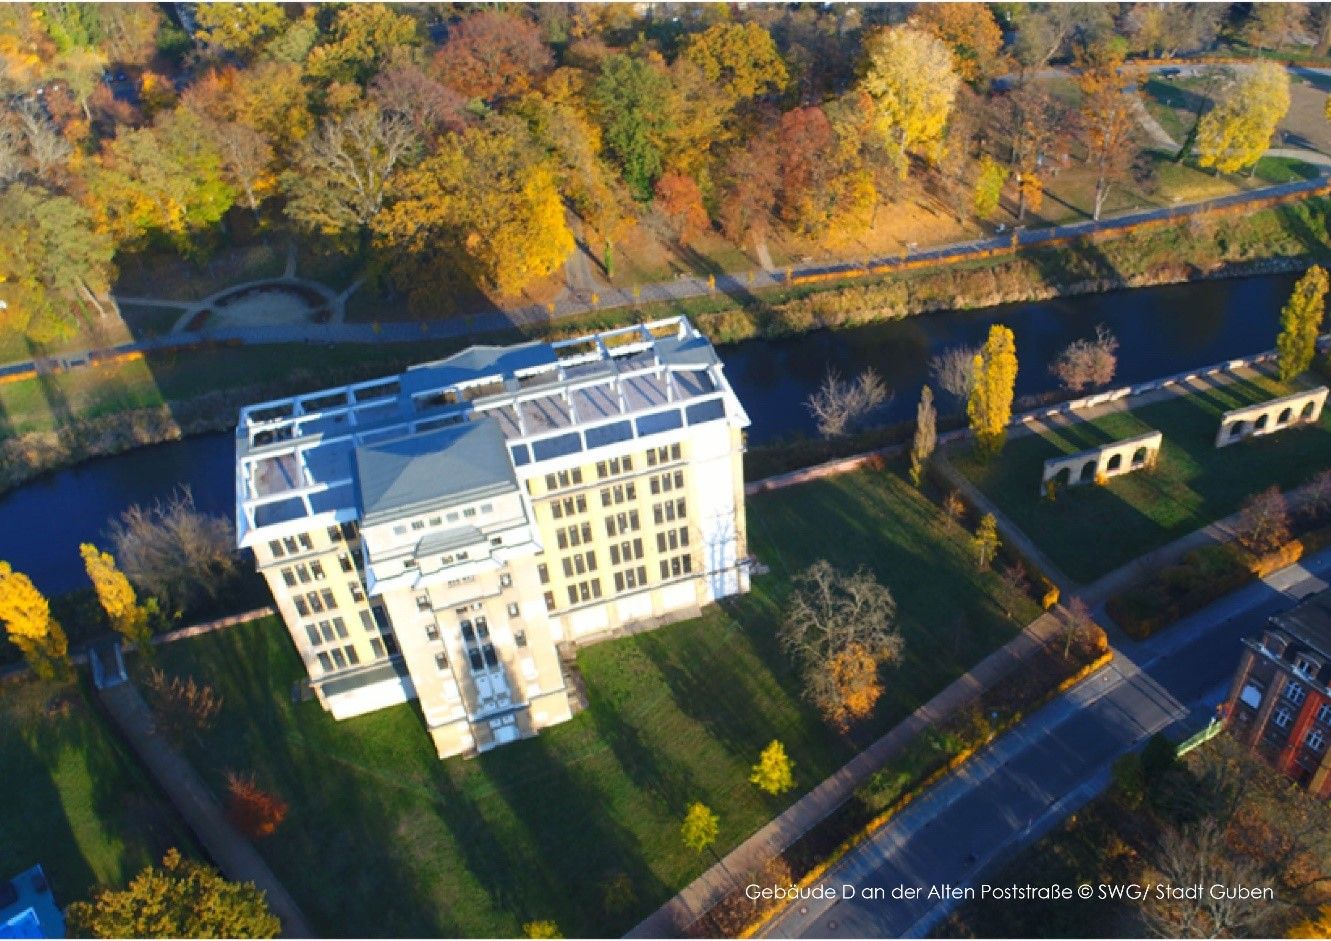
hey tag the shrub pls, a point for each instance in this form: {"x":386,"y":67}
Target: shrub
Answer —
{"x":253,"y":811}
{"x":181,"y":706}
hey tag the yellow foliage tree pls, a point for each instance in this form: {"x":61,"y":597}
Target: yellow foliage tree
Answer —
{"x":1317,"y":926}
{"x":969,"y":29}
{"x":774,"y":772}
{"x":116,"y":596}
{"x":1234,"y":134}
{"x":30,"y":627}
{"x":541,"y":929}
{"x":990,"y":405}
{"x":855,"y":685}
{"x":239,"y":28}
{"x":1301,"y":322}
{"x":913,"y":82}
{"x":740,"y":56}
{"x":985,"y":542}
{"x":700,"y":827}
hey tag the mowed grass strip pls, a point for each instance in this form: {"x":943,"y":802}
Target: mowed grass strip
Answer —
{"x":1091,"y":530}
{"x":74,"y":801}
{"x":581,"y":824}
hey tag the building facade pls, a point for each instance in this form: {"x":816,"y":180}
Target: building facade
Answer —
{"x":445,"y":534}
{"x":1280,"y":701}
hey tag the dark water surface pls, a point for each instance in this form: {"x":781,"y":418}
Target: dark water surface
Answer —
{"x":1161,"y":330}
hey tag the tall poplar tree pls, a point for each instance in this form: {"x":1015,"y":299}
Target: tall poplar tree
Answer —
{"x":1301,"y":322}
{"x":30,"y":627}
{"x":990,"y":405}
{"x":116,"y":596}
{"x":926,"y":436}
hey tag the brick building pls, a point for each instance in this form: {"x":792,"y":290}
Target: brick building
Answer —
{"x":1280,"y":702}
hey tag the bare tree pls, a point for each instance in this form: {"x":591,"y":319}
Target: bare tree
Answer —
{"x":247,"y":156}
{"x":954,"y":371}
{"x":1077,"y":623}
{"x":47,"y":147}
{"x":837,"y":406}
{"x":1317,"y":492}
{"x":173,"y":552}
{"x":1263,"y":524}
{"x":840,"y":627}
{"x":1200,"y":856}
{"x":429,"y":105}
{"x":1087,"y":363}
{"x":342,"y":170}
{"x":11,"y":153}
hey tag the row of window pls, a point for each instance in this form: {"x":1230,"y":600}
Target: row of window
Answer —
{"x":631,"y":578}
{"x":619,"y":493}
{"x":669,"y":511}
{"x":677,"y":566}
{"x":627,"y":551}
{"x":583,"y":591}
{"x":326,"y":631}
{"x":580,"y":563}
{"x":303,"y":573}
{"x":563,"y":479}
{"x":672,"y":539}
{"x":662,"y":454}
{"x":569,"y":506}
{"x":314,"y":601}
{"x":622,"y":523}
{"x":667,"y":482}
{"x":1316,"y":738}
{"x":290,"y":545}
{"x":614,"y":467}
{"x":436,"y":521}
{"x":574,"y":535}
{"x":338,"y":658}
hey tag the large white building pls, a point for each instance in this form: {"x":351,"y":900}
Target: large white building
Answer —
{"x":446,"y":533}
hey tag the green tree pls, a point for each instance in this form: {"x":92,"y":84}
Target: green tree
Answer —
{"x":1301,"y":322}
{"x":700,"y":827}
{"x":30,"y":627}
{"x":541,"y":929}
{"x":183,"y":899}
{"x":926,"y":436}
{"x":774,"y":772}
{"x":239,"y":28}
{"x":910,"y":76}
{"x":1234,"y":134}
{"x":989,"y":182}
{"x":989,"y":407}
{"x":55,"y":264}
{"x":985,"y":542}
{"x":740,"y":56}
{"x":630,"y":102}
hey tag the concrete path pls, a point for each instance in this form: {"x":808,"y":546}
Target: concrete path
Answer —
{"x":700,"y":895}
{"x":1023,"y":785}
{"x":233,"y":854}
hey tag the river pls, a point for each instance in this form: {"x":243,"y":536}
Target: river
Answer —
{"x":1161,"y":330}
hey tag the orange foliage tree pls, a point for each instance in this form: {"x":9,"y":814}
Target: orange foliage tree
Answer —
{"x":680,"y":201}
{"x":253,"y":811}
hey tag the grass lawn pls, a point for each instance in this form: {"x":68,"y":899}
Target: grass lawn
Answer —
{"x":1089,"y":530}
{"x":385,"y":840}
{"x":74,"y":801}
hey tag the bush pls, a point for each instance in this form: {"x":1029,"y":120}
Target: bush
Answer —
{"x":253,"y":811}
{"x":1175,"y":591}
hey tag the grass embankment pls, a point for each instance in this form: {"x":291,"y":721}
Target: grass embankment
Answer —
{"x":1091,"y":530}
{"x":74,"y":800}
{"x":548,"y":827}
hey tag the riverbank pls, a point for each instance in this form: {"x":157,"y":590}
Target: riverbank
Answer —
{"x":62,"y":419}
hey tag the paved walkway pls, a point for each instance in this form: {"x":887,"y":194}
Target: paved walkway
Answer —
{"x":732,"y":871}
{"x":232,"y":853}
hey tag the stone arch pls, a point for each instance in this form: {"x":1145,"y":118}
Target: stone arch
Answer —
{"x":1285,"y":415}
{"x":1260,"y":423}
{"x":1063,"y":479}
{"x":1087,"y":471}
{"x":1274,"y":415}
{"x":1139,"y":457}
{"x":1238,"y":429}
{"x":1114,"y":463}
{"x":1309,"y":409}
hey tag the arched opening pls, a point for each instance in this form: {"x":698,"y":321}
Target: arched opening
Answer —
{"x":1087,"y":472}
{"x":1238,"y":430}
{"x":1260,"y":424}
{"x":1309,"y":409}
{"x":1139,"y":456}
{"x":1063,"y":478}
{"x":1285,"y":416}
{"x":1115,"y":462}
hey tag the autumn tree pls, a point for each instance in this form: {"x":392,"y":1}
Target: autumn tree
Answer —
{"x":926,"y":436}
{"x":429,"y":105}
{"x":748,"y":189}
{"x":1263,"y":524}
{"x":910,"y":77}
{"x":823,"y":188}
{"x":697,"y":120}
{"x":1301,"y":323}
{"x":1274,"y":25}
{"x":989,"y":407}
{"x":488,"y":197}
{"x":1045,"y":31}
{"x":1087,"y":363}
{"x":182,"y":899}
{"x":741,"y":57}
{"x":1317,"y":925}
{"x":362,"y":37}
{"x":173,"y":552}
{"x":1162,"y":30}
{"x":30,"y":627}
{"x":838,"y":404}
{"x":969,"y":30}
{"x":680,"y":201}
{"x":629,"y":100}
{"x":774,"y":772}
{"x":1234,"y":134}
{"x":985,"y":542}
{"x":840,"y":628}
{"x":1199,"y":855}
{"x":57,"y":267}
{"x":700,"y":828}
{"x":252,"y":810}
{"x":116,"y":596}
{"x":541,"y":929}
{"x":341,"y":173}
{"x":954,"y":371}
{"x":181,"y":705}
{"x":1077,"y":624}
{"x":240,"y":29}
{"x":491,"y":54}
{"x":1108,"y":116}
{"x":990,"y":176}
{"x":1034,"y":121}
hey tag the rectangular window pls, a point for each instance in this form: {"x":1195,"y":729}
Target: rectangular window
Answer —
{"x":441,"y":662}
{"x":357,"y":595}
{"x":290,"y":544}
{"x":688,"y":563}
{"x":568,"y":567}
{"x":432,"y":631}
{"x":683,"y":535}
{"x":582,"y":503}
{"x":275,"y":547}
{"x":350,"y":530}
{"x":315,"y":603}
{"x":344,"y":560}
{"x":605,"y":497}
{"x":317,"y":569}
{"x":303,"y":574}
{"x":367,"y":621}
{"x":679,"y":480}
{"x":674,"y":452}
{"x":614,"y":555}
{"x":340,"y":626}
{"x":549,"y":601}
{"x":436,"y":521}
{"x":591,"y":561}
{"x":469,"y":512}
{"x":512,"y":610}
{"x":417,"y":525}
{"x":550,"y":482}
{"x":326,"y":629}
{"x":305,"y":541}
{"x":301,"y":607}
{"x":585,"y":591}
{"x":377,"y":646}
{"x":505,"y":580}
{"x":561,"y":538}
{"x":520,"y":638}
{"x":637,"y":548}
{"x":340,"y":659}
{"x":660,"y":542}
{"x":325,"y":662}
{"x":1295,"y":693}
{"x":399,"y":530}
{"x":642,"y":575}
{"x":654,"y":485}
{"x":579,"y":565}
{"x":572,"y":594}
{"x":327,"y":595}
{"x":352,"y":656}
{"x":633,"y":520}
{"x":619,"y":581}
{"x":1324,"y":714}
{"x":556,"y":510}
{"x":315,"y":639}
{"x":289,"y":577}
{"x":543,"y":573}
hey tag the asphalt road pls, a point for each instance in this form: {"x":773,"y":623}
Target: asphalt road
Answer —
{"x":1029,"y":780}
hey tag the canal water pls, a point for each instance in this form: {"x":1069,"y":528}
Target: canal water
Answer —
{"x":1160,"y":330}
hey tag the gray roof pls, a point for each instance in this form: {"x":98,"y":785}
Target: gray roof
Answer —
{"x":476,"y":362}
{"x":1309,"y":622}
{"x":406,"y":476}
{"x":690,"y":351}
{"x":447,"y":539}
{"x":380,"y":672}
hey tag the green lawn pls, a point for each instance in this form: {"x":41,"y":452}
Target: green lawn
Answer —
{"x":1089,"y":530}
{"x":383,"y":839}
{"x":74,"y":802}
